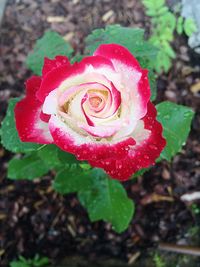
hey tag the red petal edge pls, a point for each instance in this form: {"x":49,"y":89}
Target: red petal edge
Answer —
{"x":88,"y":151}
{"x":144,"y":154}
{"x":119,"y":53}
{"x":27,"y":116}
{"x":50,"y":64}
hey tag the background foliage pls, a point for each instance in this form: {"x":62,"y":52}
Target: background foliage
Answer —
{"x":164,"y":24}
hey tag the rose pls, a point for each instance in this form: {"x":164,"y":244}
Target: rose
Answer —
{"x":98,"y":109}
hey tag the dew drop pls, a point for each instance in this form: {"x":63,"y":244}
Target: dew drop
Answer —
{"x":120,"y":166}
{"x":166,"y":117}
{"x":154,"y":147}
{"x":187,"y":114}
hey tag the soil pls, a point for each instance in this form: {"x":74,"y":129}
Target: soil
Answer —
{"x":35,"y":219}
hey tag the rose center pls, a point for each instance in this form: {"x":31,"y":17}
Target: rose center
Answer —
{"x":95,"y":101}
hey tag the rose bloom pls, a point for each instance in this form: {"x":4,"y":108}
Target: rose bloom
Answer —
{"x":98,"y":109}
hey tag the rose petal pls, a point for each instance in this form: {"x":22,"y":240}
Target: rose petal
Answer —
{"x":50,"y":64}
{"x":29,"y":125}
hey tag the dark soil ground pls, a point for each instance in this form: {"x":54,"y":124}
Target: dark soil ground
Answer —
{"x":35,"y":219}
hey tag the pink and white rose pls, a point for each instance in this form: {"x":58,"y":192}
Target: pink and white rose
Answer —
{"x":98,"y":109}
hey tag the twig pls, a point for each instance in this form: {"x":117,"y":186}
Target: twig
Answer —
{"x":194,"y":251}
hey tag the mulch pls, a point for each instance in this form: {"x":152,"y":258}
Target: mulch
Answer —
{"x":35,"y":219}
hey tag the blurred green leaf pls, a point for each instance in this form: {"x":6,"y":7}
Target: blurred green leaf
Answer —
{"x":37,"y":261}
{"x":189,"y":26}
{"x":176,"y":121}
{"x":168,"y":49}
{"x":19,"y":264}
{"x":9,"y":135}
{"x":179,"y":26}
{"x":50,"y":45}
{"x":153,"y":4}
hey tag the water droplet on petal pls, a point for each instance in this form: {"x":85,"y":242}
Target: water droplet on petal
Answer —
{"x":152,"y":146}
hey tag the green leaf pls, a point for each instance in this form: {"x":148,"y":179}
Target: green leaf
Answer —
{"x":168,"y":20}
{"x":176,"y":121}
{"x":107,"y":200}
{"x":50,"y":45}
{"x":40,"y":261}
{"x":179,"y":26}
{"x":24,"y":260}
{"x":162,"y":62}
{"x":133,"y":39}
{"x":163,"y":10}
{"x":168,"y":49}
{"x":49,"y":154}
{"x":37,"y":261}
{"x":189,"y":26}
{"x":9,"y":135}
{"x":153,"y":85}
{"x":140,"y":172}
{"x":77,"y":58}
{"x":71,"y":180}
{"x":153,"y":4}
{"x":151,"y":75}
{"x":28,"y":167}
{"x":67,"y":158}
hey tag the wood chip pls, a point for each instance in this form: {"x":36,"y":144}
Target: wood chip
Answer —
{"x":68,"y":36}
{"x":155,"y":198}
{"x":166,"y":174}
{"x":52,"y":19}
{"x":107,"y":15}
{"x":195,"y":88}
{"x":133,"y":258}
